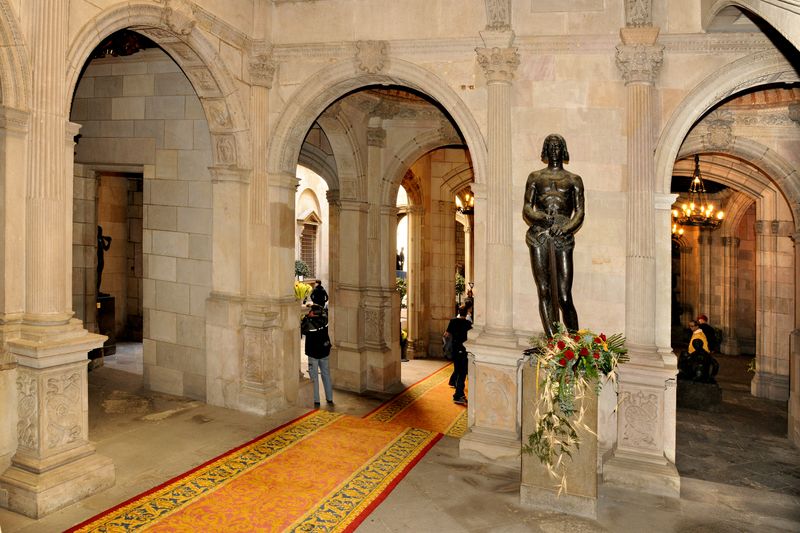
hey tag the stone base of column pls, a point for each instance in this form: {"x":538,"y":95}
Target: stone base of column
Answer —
{"x":660,"y":479}
{"x":38,"y":494}
{"x":491,"y":447}
{"x":548,"y":500}
{"x":770,"y":386}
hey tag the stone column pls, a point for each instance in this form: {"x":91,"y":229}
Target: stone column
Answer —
{"x":468,"y":250}
{"x":727,"y":322}
{"x":705,"y":242}
{"x":495,"y":386}
{"x":417,"y":343}
{"x":54,"y":465}
{"x":794,"y":350}
{"x":643,"y":458}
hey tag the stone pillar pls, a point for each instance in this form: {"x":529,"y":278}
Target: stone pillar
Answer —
{"x":705,"y":242}
{"x":641,"y":459}
{"x":417,"y":338}
{"x":727,"y":322}
{"x":794,"y":351}
{"x":494,"y":407}
{"x":54,"y":465}
{"x":688,"y":282}
{"x":468,"y":250}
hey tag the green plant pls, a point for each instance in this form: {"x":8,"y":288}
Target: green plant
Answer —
{"x":461,"y":285}
{"x":301,"y":268}
{"x":401,"y":286}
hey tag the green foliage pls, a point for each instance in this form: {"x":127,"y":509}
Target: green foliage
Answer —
{"x":301,"y":268}
{"x":461,"y":284}
{"x":401,"y":286}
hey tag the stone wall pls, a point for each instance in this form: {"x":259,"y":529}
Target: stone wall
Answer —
{"x":746,"y":284}
{"x":141,"y":111}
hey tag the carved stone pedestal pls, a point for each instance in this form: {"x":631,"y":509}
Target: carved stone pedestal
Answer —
{"x":538,"y":489}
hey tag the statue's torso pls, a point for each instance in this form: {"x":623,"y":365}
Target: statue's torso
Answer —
{"x":554,"y":191}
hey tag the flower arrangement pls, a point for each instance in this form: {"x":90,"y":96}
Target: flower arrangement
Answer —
{"x":568,"y":366}
{"x":301,"y":291}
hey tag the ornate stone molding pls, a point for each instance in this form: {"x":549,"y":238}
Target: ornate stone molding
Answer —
{"x":448,"y":133}
{"x":730,"y":242}
{"x":376,"y":137}
{"x":720,"y":129}
{"x":179,"y":16}
{"x":498,"y":64}
{"x":638,"y":13}
{"x":371,"y":56}
{"x":498,"y":15}
{"x":639,"y":63}
{"x":223,"y":174}
{"x":794,"y":112}
{"x":261,"y":66}
{"x":14,"y":120}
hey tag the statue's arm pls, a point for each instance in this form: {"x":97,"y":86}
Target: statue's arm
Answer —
{"x":529,"y":212}
{"x":576,"y":221}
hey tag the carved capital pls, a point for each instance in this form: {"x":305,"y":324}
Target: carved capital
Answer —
{"x":371,"y":56}
{"x":638,"y":13}
{"x":498,"y":64}
{"x":262,"y":69}
{"x":730,"y":242}
{"x":179,"y":16}
{"x":639,"y":63}
{"x":498,"y":15}
{"x":376,"y":137}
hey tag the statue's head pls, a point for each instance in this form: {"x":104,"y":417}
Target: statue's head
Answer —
{"x":554,"y":147}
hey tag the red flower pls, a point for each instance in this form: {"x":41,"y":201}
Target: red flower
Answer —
{"x":550,"y":346}
{"x":596,"y":355}
{"x":603,"y":336}
{"x":562,"y":362}
{"x":577,"y":338}
{"x":569,"y":354}
{"x":598,"y":340}
{"x":561,"y":345}
{"x":584,"y":351}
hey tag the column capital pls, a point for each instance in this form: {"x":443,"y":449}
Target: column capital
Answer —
{"x":261,"y":66}
{"x":415,"y":210}
{"x":498,"y":64}
{"x":376,"y":137}
{"x":639,"y":63}
{"x":730,"y":241}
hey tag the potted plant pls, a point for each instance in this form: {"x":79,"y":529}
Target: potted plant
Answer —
{"x":301,"y":269}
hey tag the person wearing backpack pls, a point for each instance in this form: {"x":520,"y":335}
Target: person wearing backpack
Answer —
{"x":318,"y":347}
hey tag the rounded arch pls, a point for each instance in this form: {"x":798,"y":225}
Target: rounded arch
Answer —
{"x":751,"y":71}
{"x":457,"y":179}
{"x":327,"y":85}
{"x":15,"y":86}
{"x":346,"y":154}
{"x":177,"y":33}
{"x":779,"y":15}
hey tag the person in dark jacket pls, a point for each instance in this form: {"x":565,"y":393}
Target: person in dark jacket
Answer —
{"x":318,"y":347}
{"x":319,"y":295}
{"x":709,"y":332}
{"x":457,"y":329}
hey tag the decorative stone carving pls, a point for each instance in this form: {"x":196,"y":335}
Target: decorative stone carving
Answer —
{"x":225,"y":149}
{"x":640,"y":419}
{"x":203,"y":81}
{"x":371,"y":56}
{"x":262,"y":69}
{"x":179,"y":16}
{"x":794,"y":112}
{"x":763,"y":118}
{"x":27,"y":410}
{"x":376,"y":137}
{"x":448,"y":133}
{"x":498,"y":64}
{"x":386,"y":110}
{"x":498,"y":15}
{"x":497,"y":389}
{"x":720,"y":129}
{"x":219,"y":117}
{"x":63,"y":409}
{"x":185,"y":54}
{"x":638,"y":13}
{"x":730,"y":242}
{"x":639,"y":63}
{"x":373,"y":321}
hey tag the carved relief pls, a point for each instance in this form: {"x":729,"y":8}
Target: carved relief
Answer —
{"x":179,"y":16}
{"x":63,"y":408}
{"x":497,"y":393}
{"x":720,"y":129}
{"x":203,"y":80}
{"x":376,"y":137}
{"x":640,"y":418}
{"x":448,"y":133}
{"x":639,"y":62}
{"x":224,"y":149}
{"x":638,"y":13}
{"x":252,"y":359}
{"x":218,"y":115}
{"x":498,"y":15}
{"x":185,"y":54}
{"x":371,"y":56}
{"x":498,"y":64}
{"x":262,"y":69}
{"x":794,"y":112}
{"x":27,"y":410}
{"x":373,"y":320}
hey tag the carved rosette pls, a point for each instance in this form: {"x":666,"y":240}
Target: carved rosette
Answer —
{"x":27,"y":410}
{"x":639,"y":63}
{"x":63,"y":407}
{"x":262,"y":69}
{"x":498,"y":64}
{"x":638,"y":13}
{"x":179,"y":16}
{"x":371,"y":56}
{"x":720,"y":129}
{"x":376,"y":137}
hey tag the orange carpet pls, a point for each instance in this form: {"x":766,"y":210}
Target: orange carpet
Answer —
{"x":427,"y":404}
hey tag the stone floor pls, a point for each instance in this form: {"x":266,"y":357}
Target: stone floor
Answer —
{"x":153,"y":437}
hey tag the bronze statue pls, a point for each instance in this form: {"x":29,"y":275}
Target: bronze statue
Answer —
{"x":103,"y":244}
{"x":554,"y":211}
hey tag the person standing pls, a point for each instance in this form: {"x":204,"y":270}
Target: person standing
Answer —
{"x":457,"y":329}
{"x":319,"y":295}
{"x":318,"y":347}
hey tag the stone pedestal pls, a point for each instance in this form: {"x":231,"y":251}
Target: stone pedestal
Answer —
{"x":700,"y":396}
{"x":538,"y":489}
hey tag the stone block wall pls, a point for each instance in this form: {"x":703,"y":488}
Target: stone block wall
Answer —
{"x":84,"y":246}
{"x":746,"y":285}
{"x":142,"y":111}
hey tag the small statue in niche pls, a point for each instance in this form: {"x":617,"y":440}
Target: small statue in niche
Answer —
{"x":401,"y":259}
{"x":554,"y":211}
{"x":103,"y":244}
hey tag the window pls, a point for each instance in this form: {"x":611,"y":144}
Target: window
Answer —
{"x":308,"y":247}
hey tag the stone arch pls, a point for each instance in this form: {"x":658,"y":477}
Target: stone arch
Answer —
{"x":778,"y":15}
{"x":176,"y":31}
{"x":407,"y":156}
{"x":330,"y":83}
{"x":457,"y":179}
{"x":315,"y":159}
{"x":15,"y":83}
{"x":751,"y":71}
{"x":346,"y":154}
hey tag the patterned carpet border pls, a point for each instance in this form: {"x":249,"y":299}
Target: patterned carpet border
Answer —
{"x":348,"y":505}
{"x":179,"y":491}
{"x":459,"y":428}
{"x":390,"y":409}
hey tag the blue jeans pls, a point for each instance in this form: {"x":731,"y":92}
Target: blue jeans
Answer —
{"x":320,"y":366}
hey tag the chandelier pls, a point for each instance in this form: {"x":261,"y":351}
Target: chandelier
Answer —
{"x":467,"y":205}
{"x":697,"y":211}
